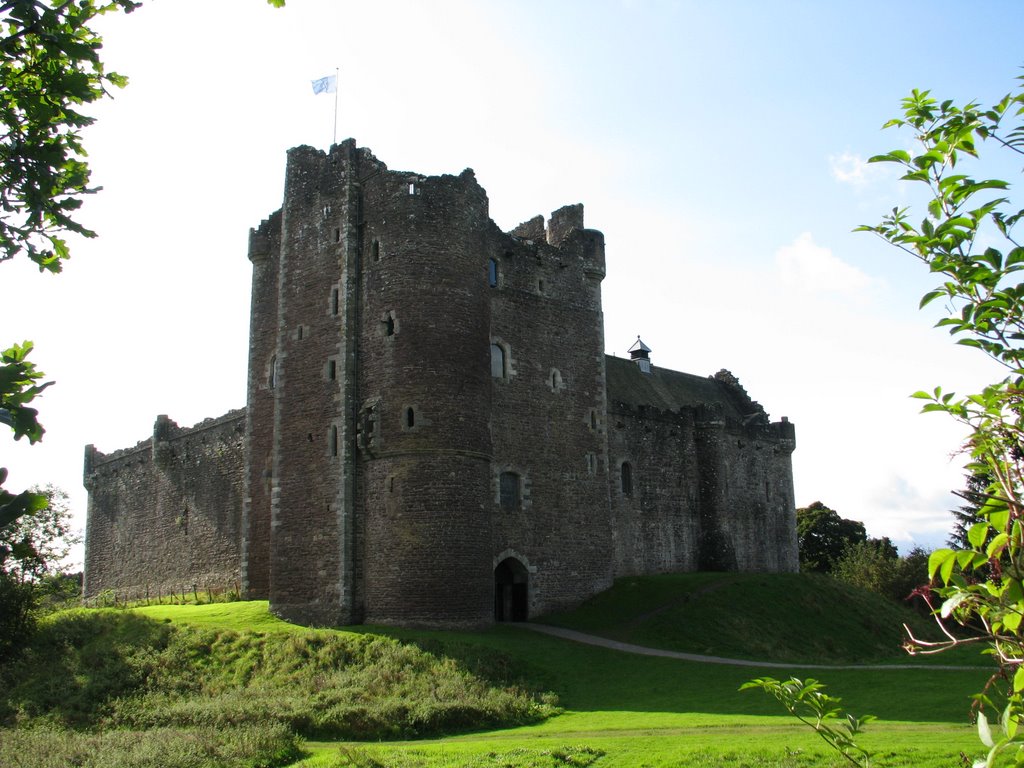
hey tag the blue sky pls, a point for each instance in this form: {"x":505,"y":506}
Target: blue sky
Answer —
{"x":719,"y":146}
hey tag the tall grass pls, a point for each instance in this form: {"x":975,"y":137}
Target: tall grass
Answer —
{"x":249,"y":747}
{"x":121,"y":670}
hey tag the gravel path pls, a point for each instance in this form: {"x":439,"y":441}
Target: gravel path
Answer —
{"x":604,"y":642}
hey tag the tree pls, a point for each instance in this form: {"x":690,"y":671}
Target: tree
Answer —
{"x":966,"y":515}
{"x":34,"y":546}
{"x":875,"y":565}
{"x":823,"y":536}
{"x":967,"y":241}
{"x":50,"y":69}
{"x":31,"y":551}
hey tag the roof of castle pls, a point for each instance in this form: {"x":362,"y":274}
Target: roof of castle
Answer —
{"x":669,"y":390}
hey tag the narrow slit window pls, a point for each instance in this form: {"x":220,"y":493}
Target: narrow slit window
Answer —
{"x":410,"y":418}
{"x":272,"y":376}
{"x":332,"y":370}
{"x":626,"y":478}
{"x":337,"y":235}
{"x":335,"y":301}
{"x":509,"y":490}
{"x":412,"y":187}
{"x":497,"y":361}
{"x":375,"y":250}
{"x":492,"y":273}
{"x":389,"y":325}
{"x":334,"y":440}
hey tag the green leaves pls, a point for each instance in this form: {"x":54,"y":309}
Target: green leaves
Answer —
{"x":807,"y":701}
{"x":20,"y":383}
{"x":49,"y":69}
{"x":967,"y":241}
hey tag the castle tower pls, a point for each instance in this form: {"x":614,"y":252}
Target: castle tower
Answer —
{"x":425,"y":400}
{"x":378,"y":455}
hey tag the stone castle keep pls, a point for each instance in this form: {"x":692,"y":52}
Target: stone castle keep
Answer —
{"x":433,"y":434}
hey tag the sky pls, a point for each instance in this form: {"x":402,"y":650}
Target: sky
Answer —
{"x":720,"y":147}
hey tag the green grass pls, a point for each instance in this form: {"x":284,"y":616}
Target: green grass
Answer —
{"x":174,"y":671}
{"x":800,"y":618}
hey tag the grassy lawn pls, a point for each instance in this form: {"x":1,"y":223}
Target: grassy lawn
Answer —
{"x":241,"y":673}
{"x":628,"y":710}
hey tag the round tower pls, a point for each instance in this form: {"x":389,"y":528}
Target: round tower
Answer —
{"x":423,"y":425}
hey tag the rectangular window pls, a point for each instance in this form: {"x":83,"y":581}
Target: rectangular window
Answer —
{"x":509,"y":490}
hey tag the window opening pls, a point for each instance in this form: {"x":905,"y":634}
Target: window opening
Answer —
{"x":375,"y":250}
{"x":332,"y":370}
{"x":626,"y":477}
{"x":492,"y":273}
{"x":497,"y":361}
{"x":389,"y":325}
{"x":412,"y":188}
{"x":540,"y":286}
{"x":337,"y":235}
{"x":410,"y":418}
{"x":335,"y":301}
{"x":593,"y":419}
{"x":509,"y":490}
{"x":300,"y":333}
{"x":334,"y":440}
{"x":272,"y":378}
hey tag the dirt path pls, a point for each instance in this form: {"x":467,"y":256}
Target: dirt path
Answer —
{"x":615,"y":645}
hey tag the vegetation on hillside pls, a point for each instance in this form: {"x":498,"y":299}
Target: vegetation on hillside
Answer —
{"x":116,"y":671}
{"x":806,"y":618}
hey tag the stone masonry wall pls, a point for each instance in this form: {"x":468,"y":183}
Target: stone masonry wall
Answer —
{"x":424,"y":385}
{"x":548,"y":415}
{"x":657,"y":515}
{"x":164,"y":516}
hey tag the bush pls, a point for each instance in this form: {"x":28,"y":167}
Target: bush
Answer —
{"x":17,"y":616}
{"x":252,"y":747}
{"x":119,"y":669}
{"x":874,"y":568}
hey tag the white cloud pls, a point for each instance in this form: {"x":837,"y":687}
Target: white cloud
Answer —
{"x":852,"y":169}
{"x":805,"y":265}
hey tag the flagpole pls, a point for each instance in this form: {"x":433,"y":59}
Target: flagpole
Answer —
{"x":335,"y":136}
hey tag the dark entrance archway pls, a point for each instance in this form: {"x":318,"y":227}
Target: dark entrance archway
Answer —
{"x":511,"y":591}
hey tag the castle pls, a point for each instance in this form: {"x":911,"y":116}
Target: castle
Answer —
{"x":434,"y":435}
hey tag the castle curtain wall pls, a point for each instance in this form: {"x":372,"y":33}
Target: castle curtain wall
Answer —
{"x":165,"y":515}
{"x":759,"y":516}
{"x":657,"y":517}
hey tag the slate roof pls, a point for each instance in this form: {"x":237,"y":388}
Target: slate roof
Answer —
{"x":670,"y":390}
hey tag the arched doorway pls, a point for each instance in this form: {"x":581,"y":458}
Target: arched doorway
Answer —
{"x":511,"y":592}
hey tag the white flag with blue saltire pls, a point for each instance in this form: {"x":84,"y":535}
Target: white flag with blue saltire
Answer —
{"x":327,"y":84}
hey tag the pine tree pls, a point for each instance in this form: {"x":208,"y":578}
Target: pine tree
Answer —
{"x":965,"y":516}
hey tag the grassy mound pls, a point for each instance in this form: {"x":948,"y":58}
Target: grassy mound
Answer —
{"x":798,"y":618}
{"x":117,"y":669}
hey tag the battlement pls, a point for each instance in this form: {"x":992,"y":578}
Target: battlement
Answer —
{"x":164,"y":431}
